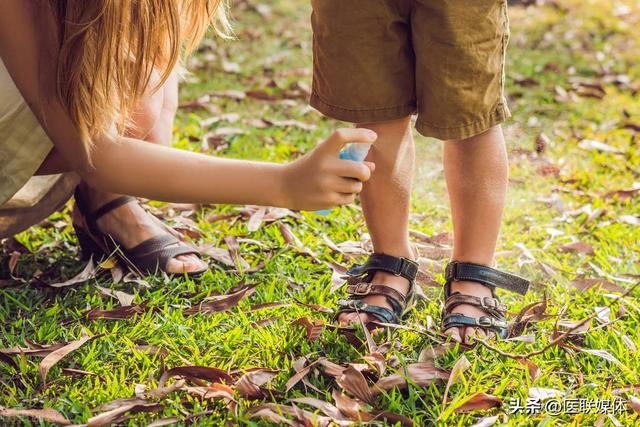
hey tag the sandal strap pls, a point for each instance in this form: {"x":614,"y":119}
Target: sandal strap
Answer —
{"x":157,"y":252}
{"x":454,"y":320}
{"x":363,"y":289}
{"x":383,"y":314}
{"x":487,"y":304}
{"x":399,"y":266}
{"x":113,"y":204}
{"x":487,"y":276}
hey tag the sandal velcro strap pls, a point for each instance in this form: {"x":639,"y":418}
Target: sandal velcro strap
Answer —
{"x":363,"y":289}
{"x":488,"y":304}
{"x":485,"y":322}
{"x":486,"y":275}
{"x":383,"y":314}
{"x":399,"y":266}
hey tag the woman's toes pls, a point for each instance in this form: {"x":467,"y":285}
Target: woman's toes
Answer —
{"x":185,"y":264}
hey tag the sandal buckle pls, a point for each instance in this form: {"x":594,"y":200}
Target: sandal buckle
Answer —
{"x":484,"y":321}
{"x":488,"y":302}
{"x":362,"y":289}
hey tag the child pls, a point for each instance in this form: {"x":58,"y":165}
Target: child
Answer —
{"x":377,"y":63}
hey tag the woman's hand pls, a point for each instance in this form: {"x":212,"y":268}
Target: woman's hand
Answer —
{"x":320,"y":180}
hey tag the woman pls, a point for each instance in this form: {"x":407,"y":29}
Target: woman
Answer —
{"x":90,"y":85}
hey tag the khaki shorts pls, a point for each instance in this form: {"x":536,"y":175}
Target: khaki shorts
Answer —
{"x":378,"y":60}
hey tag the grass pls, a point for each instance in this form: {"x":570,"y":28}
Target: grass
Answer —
{"x":550,"y":200}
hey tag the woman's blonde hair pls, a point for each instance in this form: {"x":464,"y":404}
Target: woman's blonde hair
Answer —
{"x":108,"y":50}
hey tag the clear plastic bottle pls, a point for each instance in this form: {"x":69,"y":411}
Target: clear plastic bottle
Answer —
{"x":356,"y":152}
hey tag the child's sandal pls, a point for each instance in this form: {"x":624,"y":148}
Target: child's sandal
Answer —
{"x":486,"y":276}
{"x":359,"y":286}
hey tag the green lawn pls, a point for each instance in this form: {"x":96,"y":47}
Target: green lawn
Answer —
{"x":573,"y":214}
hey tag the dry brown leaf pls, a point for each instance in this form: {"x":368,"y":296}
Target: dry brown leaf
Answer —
{"x":479,"y":402}
{"x":532,"y":368}
{"x":325,"y":407}
{"x":301,"y":372}
{"x":13,"y":261}
{"x":8,"y":360}
{"x":354,"y":382}
{"x":87,"y":273}
{"x":220,"y":255}
{"x":124,"y":298}
{"x":218,"y":303}
{"x":430,"y":353}
{"x":583,"y":284}
{"x":266,"y":305}
{"x":634,"y":404}
{"x":579,"y":246}
{"x":45,"y":414}
{"x":271,"y":412}
{"x":196,"y":374}
{"x":314,"y":327}
{"x":57,"y":355}
{"x":34,"y":349}
{"x":265,"y":322}
{"x":377,"y":361}
{"x":461,"y":365}
{"x":256,"y":219}
{"x":116,"y":409}
{"x":391,"y":418}
{"x":486,"y":422}
{"x":544,"y":393}
{"x":421,"y":374}
{"x":118,"y":313}
{"x":351,"y":408}
{"x":627,"y":193}
{"x":249,"y":385}
{"x":234,"y":250}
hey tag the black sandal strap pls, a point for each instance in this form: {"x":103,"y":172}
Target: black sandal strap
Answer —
{"x":399,"y":266}
{"x":109,"y":206}
{"x":455,"y":320}
{"x":486,"y":275}
{"x":157,"y":251}
{"x":383,"y":314}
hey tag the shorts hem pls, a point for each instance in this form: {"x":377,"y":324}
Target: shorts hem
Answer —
{"x":500,"y":114}
{"x":361,"y":115}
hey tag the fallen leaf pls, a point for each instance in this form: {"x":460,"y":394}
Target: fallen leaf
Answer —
{"x":314,"y":327}
{"x":544,"y":393}
{"x":486,"y":422}
{"x":584,"y":284}
{"x":87,"y":273}
{"x":124,"y":298}
{"x":479,"y":402}
{"x":118,"y":313}
{"x":461,"y":365}
{"x":590,"y":144}
{"x":579,"y":246}
{"x":324,"y":406}
{"x":532,"y":368}
{"x":249,"y":385}
{"x":57,"y":355}
{"x":13,"y":261}
{"x":634,"y":404}
{"x":353,"y":381}
{"x":196,"y":374}
{"x":116,"y":409}
{"x":542,"y":141}
{"x":256,"y":219}
{"x":45,"y":414}
{"x":421,"y":374}
{"x":604,"y":354}
{"x":218,"y":303}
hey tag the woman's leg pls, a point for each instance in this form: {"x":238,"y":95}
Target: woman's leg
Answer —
{"x":476,"y":171}
{"x":385,"y":201}
{"x":130,"y":224}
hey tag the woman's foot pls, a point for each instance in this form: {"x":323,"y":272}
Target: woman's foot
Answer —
{"x":466,"y":334}
{"x":131,"y":225}
{"x":381,"y":278}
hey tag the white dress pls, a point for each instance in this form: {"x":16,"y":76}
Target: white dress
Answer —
{"x":23,"y":143}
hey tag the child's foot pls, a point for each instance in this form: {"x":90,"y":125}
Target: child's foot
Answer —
{"x":472,"y":309}
{"x":466,"y":334}
{"x":381,"y":278}
{"x":379,"y":291}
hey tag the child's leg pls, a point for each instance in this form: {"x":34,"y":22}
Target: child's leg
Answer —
{"x":385,"y":201}
{"x":476,"y":171}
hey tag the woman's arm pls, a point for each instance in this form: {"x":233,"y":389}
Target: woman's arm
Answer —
{"x":129,"y":166}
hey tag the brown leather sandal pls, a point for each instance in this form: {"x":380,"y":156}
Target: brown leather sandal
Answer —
{"x":359,"y":286}
{"x":485,"y":276}
{"x":146,"y":258}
